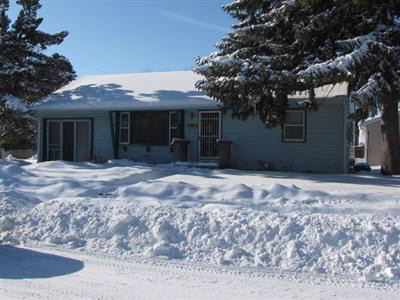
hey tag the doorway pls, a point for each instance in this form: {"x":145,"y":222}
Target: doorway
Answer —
{"x":69,"y":140}
{"x":209,"y":133}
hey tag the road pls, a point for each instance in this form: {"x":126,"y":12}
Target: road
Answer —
{"x":40,"y":273}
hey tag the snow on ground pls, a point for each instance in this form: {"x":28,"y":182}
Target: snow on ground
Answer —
{"x":323,"y":225}
{"x":32,"y":273}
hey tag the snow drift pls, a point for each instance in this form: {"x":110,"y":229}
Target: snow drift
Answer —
{"x":280,"y":227}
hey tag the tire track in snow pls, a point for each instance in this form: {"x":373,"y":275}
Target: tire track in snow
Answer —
{"x":132,"y":263}
{"x":107,"y":277}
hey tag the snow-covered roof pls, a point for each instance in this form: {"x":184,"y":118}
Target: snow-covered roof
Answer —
{"x":326,"y":91}
{"x":369,"y":121}
{"x":156,"y":90}
{"x":145,"y":91}
{"x":372,"y":120}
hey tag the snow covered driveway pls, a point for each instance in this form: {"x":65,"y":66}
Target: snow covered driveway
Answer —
{"x":51,"y":274}
{"x":326,"y":226}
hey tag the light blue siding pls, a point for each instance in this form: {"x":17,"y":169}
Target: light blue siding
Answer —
{"x":151,"y":154}
{"x":163,"y":154}
{"x":102,"y":142}
{"x":254,"y":145}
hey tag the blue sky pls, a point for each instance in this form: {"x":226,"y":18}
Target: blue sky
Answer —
{"x":123,"y":36}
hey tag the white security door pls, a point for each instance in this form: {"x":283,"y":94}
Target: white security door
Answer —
{"x":209,"y":133}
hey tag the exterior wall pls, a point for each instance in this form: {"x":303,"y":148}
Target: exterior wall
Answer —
{"x":325,"y":149}
{"x":151,"y":154}
{"x":163,"y":154}
{"x":253,"y":145}
{"x":102,"y":142}
{"x":374,"y":143}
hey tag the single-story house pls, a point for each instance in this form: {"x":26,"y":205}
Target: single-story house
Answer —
{"x":371,"y":138}
{"x":136,"y":116}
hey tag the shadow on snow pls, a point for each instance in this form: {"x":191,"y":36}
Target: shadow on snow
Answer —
{"x":18,"y":263}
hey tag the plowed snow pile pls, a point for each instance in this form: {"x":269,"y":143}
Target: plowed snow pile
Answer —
{"x":164,"y":211}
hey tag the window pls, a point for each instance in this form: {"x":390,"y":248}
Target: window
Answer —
{"x":124,"y":130}
{"x":294,"y":127}
{"x":150,"y":127}
{"x":175,"y":125}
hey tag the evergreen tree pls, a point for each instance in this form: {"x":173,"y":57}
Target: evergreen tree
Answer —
{"x":279,"y":47}
{"x":26,"y":71}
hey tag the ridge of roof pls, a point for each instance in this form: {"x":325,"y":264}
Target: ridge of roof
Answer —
{"x":371,"y":120}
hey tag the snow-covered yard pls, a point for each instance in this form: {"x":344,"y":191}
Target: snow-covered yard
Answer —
{"x":268,"y":229}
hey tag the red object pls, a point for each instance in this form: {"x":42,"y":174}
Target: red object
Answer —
{"x":359,"y":152}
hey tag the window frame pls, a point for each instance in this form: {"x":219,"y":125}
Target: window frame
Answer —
{"x":170,"y":127}
{"x":124,"y":128}
{"x":290,"y":140}
{"x":131,"y":132}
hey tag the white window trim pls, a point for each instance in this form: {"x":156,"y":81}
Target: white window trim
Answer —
{"x":295,"y":125}
{"x":170,"y":127}
{"x":128,"y":127}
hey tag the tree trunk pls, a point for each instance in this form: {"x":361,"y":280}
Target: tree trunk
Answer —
{"x":390,"y":160}
{"x":1,"y":133}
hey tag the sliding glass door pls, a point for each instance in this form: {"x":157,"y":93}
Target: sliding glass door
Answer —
{"x":68,"y":140}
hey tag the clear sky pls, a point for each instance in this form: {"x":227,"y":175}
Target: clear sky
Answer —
{"x":122,"y":36}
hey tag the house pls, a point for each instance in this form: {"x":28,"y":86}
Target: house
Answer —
{"x":371,"y":138}
{"x":136,"y":116}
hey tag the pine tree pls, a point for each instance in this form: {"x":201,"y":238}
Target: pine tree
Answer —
{"x":279,"y":47}
{"x":26,"y":72}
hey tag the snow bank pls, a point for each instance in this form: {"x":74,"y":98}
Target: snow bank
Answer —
{"x":279,"y":227}
{"x":12,"y":206}
{"x":363,"y":246}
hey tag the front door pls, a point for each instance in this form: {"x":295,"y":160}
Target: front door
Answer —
{"x":68,"y":140}
{"x":209,"y":133}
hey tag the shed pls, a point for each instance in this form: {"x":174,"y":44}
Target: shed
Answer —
{"x":371,"y":138}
